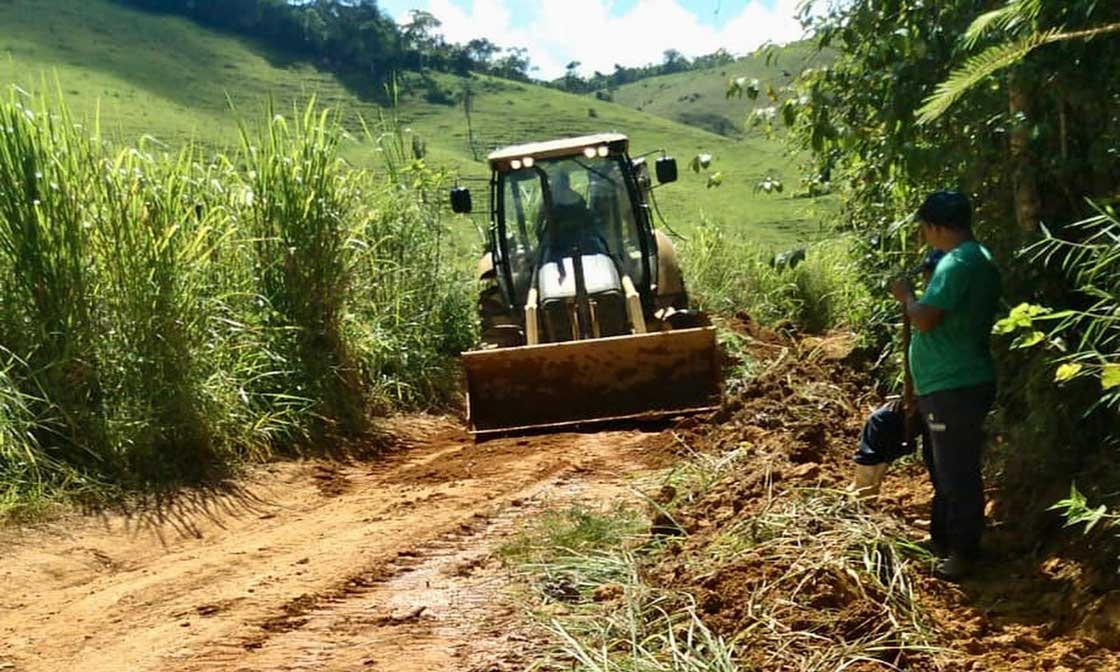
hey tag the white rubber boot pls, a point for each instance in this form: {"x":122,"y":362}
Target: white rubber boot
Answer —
{"x":868,"y":479}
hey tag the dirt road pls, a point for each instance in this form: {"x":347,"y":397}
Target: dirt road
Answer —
{"x":378,"y":565}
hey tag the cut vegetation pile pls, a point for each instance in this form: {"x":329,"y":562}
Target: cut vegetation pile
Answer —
{"x":768,"y":563}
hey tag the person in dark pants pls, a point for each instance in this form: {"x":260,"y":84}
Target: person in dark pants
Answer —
{"x":954,"y":375}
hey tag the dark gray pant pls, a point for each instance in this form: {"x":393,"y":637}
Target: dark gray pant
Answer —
{"x":955,"y":422}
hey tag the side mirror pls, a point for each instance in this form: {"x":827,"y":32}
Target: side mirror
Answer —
{"x":461,"y":200}
{"x":666,"y":168}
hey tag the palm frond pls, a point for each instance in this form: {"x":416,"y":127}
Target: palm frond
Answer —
{"x":1013,"y":15}
{"x":977,"y":69}
{"x":994,"y":59}
{"x":983,"y":25}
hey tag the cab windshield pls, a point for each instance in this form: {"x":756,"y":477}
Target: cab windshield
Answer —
{"x":591,"y":212}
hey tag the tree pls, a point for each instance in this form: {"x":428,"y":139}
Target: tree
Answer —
{"x":420,"y":36}
{"x":347,"y":35}
{"x":673,"y":61}
{"x":572,"y":81}
{"x":1019,"y":30}
{"x":482,"y":51}
{"x":515,"y":64}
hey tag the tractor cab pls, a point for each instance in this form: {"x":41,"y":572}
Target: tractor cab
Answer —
{"x":571,"y":235}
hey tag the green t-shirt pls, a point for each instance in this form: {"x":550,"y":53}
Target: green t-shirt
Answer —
{"x":955,"y":353}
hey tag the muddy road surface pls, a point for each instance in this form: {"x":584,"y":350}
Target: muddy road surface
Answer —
{"x":382,"y":564}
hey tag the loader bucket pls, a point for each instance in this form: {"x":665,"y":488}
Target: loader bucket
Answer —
{"x":597,"y":380}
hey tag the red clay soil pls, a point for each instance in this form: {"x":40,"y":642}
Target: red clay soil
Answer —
{"x":801,"y":416}
{"x":387,"y":564}
{"x":381,"y":565}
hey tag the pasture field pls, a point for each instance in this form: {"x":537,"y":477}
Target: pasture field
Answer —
{"x":168,"y":80}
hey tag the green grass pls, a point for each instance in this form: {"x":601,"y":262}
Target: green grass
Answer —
{"x":507,"y":112}
{"x":167,"y":317}
{"x":822,"y":292}
{"x":168,"y":78}
{"x":839,"y":590}
{"x":576,"y":530}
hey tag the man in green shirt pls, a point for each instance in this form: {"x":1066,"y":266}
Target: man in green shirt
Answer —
{"x":953,"y":374}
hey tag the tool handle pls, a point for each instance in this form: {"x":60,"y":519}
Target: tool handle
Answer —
{"x":909,"y":405}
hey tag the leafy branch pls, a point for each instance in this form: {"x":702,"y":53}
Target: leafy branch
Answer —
{"x":1091,"y":259}
{"x":1075,"y":509}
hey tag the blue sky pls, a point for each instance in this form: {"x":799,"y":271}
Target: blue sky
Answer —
{"x":600,"y":33}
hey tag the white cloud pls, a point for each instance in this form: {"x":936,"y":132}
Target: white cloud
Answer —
{"x":561,"y":31}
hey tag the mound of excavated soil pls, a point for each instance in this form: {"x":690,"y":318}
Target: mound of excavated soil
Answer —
{"x":796,"y":425}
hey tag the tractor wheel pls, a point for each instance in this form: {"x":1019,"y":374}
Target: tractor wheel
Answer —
{"x":497,"y":328}
{"x":671,"y":292}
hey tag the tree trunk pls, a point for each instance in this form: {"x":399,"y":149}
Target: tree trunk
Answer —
{"x":1028,"y":204}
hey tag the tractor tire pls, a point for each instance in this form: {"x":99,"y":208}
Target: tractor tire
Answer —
{"x":497,"y":328}
{"x":671,"y":291}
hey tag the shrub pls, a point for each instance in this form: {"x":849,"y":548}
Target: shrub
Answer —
{"x":728,"y":275}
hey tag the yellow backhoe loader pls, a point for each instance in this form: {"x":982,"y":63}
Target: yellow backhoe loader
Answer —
{"x":583,"y":309}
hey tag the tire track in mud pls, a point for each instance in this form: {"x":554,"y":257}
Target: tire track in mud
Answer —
{"x":380,"y":565}
{"x":440,"y":605}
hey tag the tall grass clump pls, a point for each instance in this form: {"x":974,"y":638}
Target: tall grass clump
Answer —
{"x":301,"y":215}
{"x":728,"y":275}
{"x":103,"y":269}
{"x":416,"y":313}
{"x":239,"y":357}
{"x":156,"y":302}
{"x":48,"y":327}
{"x":163,"y":318}
{"x":25,"y":471}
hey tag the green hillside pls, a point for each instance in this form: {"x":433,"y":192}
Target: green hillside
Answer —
{"x":168,"y":78}
{"x":515,"y":112}
{"x":698,"y":97}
